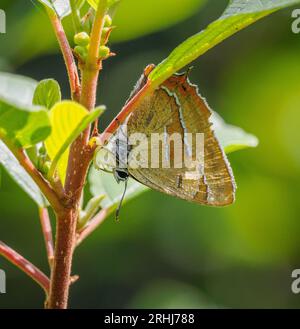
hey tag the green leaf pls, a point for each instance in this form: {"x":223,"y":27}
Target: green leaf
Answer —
{"x":16,"y":87}
{"x":19,"y":120}
{"x":91,"y":117}
{"x":47,"y":93}
{"x":20,"y":176}
{"x":68,"y":120}
{"x":238,"y":15}
{"x":105,"y":183}
{"x":135,"y":18}
{"x":60,"y":7}
{"x":24,"y":126}
{"x":231,"y":138}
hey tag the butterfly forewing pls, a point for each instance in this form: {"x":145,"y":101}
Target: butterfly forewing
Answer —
{"x":176,"y":107}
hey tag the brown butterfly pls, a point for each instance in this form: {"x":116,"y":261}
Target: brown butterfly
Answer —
{"x":175,"y":108}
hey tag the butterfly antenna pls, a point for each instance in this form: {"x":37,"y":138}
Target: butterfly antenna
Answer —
{"x":121,"y":201}
{"x":188,"y":71}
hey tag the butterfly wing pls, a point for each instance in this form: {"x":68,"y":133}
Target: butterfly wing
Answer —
{"x":176,"y":107}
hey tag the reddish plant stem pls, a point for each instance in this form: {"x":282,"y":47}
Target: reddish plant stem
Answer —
{"x":47,"y":233}
{"x":93,"y":225}
{"x":61,"y":270}
{"x":67,"y":54}
{"x":23,"y":264}
{"x":79,"y":159}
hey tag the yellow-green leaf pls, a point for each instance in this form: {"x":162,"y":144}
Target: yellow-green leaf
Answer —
{"x":88,"y":119}
{"x":65,"y":117}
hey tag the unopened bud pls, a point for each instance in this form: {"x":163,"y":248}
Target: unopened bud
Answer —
{"x":82,"y":39}
{"x":81,"y":52}
{"x":46,"y":167}
{"x":107,"y":20}
{"x":104,"y":52}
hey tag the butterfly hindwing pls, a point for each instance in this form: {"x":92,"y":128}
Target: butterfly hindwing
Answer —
{"x":176,"y":107}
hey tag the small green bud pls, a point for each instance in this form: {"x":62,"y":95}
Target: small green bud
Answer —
{"x":46,"y":167}
{"x":42,"y":150}
{"x":82,"y":39}
{"x":104,"y":52}
{"x":81,"y":52}
{"x":107,"y":20}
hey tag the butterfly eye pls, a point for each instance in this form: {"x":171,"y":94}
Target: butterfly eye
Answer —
{"x":121,"y":175}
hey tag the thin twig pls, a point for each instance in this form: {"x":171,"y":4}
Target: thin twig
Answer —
{"x":23,"y":264}
{"x":93,"y":225}
{"x":38,"y":178}
{"x":47,"y":233}
{"x":67,"y":54}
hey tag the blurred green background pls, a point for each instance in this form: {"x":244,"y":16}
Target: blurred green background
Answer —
{"x":167,"y":252}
